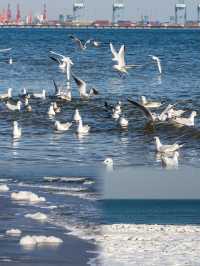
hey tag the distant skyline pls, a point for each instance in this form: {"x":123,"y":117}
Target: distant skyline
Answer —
{"x":102,"y":9}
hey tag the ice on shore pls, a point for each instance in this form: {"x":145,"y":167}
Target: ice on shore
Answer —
{"x":13,"y":232}
{"x":27,"y":196}
{"x":129,"y":244}
{"x":40,"y":240}
{"x":37,"y":216}
{"x":4,"y":188}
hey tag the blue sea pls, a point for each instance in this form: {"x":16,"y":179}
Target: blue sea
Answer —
{"x":67,"y":169}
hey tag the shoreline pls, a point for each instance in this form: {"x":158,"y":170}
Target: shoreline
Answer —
{"x":100,"y":27}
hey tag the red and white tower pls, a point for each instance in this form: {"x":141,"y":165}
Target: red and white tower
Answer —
{"x":18,"y":15}
{"x":8,"y":14}
{"x":45,"y":12}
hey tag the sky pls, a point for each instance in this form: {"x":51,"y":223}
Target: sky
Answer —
{"x":102,"y":9}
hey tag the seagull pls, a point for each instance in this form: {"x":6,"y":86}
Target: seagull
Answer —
{"x":82,"y":87}
{"x":51,"y":111}
{"x":79,"y":43}
{"x":172,"y":113}
{"x":152,"y":117}
{"x":120,"y":58}
{"x":13,"y":105}
{"x":150,"y":104}
{"x":56,"y":108}
{"x":10,"y":62}
{"x":166,"y":148}
{"x":17,"y":131}
{"x":64,"y":63}
{"x":96,"y":43}
{"x":108,"y":161}
{"x":186,"y":121}
{"x":28,"y":107}
{"x":77,"y":116}
{"x":64,"y":95}
{"x":24,"y":93}
{"x":62,"y":126}
{"x":82,"y":129}
{"x":123,"y":122}
{"x":6,"y":95}
{"x":41,"y":95}
{"x":157,"y":60}
{"x":170,"y":162}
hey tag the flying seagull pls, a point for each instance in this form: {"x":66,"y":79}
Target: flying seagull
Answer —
{"x":82,"y":87}
{"x":82,"y":46}
{"x":157,"y":60}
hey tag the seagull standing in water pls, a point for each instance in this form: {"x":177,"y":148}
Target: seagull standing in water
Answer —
{"x":6,"y":95}
{"x":182,"y":121}
{"x":62,"y":126}
{"x":82,"y":87}
{"x":82,"y":129}
{"x":166,"y":149}
{"x":65,"y":63}
{"x":76,"y":116}
{"x":157,"y":60}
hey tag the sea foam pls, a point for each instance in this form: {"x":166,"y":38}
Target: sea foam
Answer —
{"x":4,"y":188}
{"x":27,"y":196}
{"x":13,"y":232}
{"x":37,"y":216}
{"x":40,"y":240}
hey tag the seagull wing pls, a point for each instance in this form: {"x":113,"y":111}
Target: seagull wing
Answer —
{"x":159,"y":65}
{"x":77,"y":41}
{"x":145,"y":110}
{"x":52,"y":52}
{"x":81,"y":84}
{"x":5,"y":50}
{"x":55,"y":59}
{"x":86,"y":43}
{"x":113,"y":51}
{"x":121,"y":56}
{"x":56,"y":87}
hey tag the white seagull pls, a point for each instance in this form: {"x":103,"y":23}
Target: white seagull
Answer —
{"x":64,"y":63}
{"x":5,"y":50}
{"x":120,"y":58}
{"x":62,"y":126}
{"x":82,"y":46}
{"x":157,"y":60}
{"x":186,"y":121}
{"x":64,"y":95}
{"x":82,"y":129}
{"x":17,"y":131}
{"x":51,"y":111}
{"x":76,"y":116}
{"x":166,"y":148}
{"x":82,"y":87}
{"x":13,"y":105}
{"x":6,"y":95}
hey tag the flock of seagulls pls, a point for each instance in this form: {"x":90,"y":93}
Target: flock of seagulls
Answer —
{"x":169,"y":154}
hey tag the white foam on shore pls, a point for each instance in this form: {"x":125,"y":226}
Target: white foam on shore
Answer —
{"x":40,"y":240}
{"x":166,"y":245}
{"x":27,"y":196}
{"x":4,"y":188}
{"x":64,"y":179}
{"x":58,"y":188}
{"x":39,"y":216}
{"x":13,"y":232}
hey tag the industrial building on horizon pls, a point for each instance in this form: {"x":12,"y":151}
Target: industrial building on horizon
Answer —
{"x":77,"y":18}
